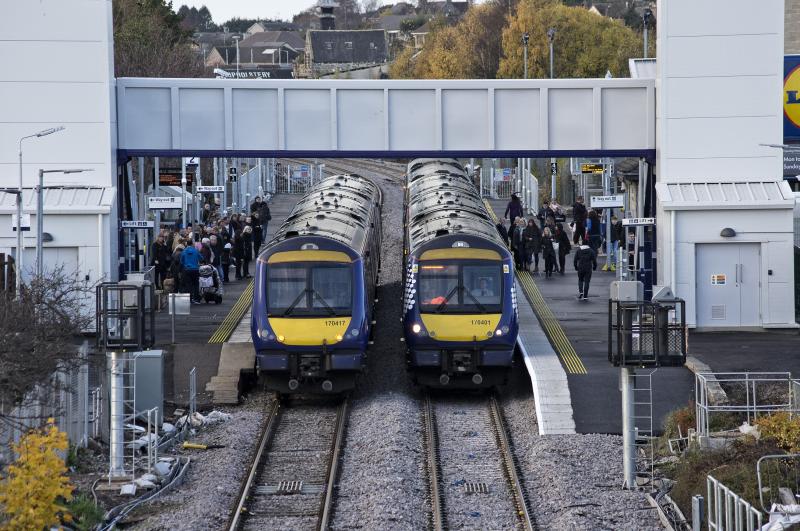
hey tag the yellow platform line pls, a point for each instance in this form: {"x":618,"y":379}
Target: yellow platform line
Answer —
{"x":235,"y":315}
{"x":552,"y":328}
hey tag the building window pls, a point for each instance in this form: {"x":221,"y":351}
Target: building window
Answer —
{"x":348,"y":45}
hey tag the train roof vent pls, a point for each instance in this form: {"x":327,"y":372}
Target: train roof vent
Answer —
{"x":320,"y":216}
{"x":453,"y":214}
{"x":357,"y":217}
{"x":292,"y":233}
{"x":442,"y":232}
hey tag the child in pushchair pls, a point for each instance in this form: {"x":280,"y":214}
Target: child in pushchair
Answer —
{"x":209,"y":284}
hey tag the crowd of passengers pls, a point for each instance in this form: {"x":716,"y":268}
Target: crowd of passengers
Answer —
{"x":198,"y":259}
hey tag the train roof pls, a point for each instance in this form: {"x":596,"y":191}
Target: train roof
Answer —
{"x":340,"y":207}
{"x":443,"y":200}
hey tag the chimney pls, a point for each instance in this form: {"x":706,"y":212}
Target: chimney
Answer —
{"x":327,"y":20}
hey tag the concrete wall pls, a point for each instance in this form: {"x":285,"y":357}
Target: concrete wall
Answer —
{"x":58,"y":71}
{"x":718,"y":85}
{"x":773,"y":232}
{"x":791,"y":27}
{"x":718,"y":81}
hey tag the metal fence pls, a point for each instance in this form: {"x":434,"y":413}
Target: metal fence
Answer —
{"x":64,"y":397}
{"x":727,"y":511}
{"x":778,"y":480}
{"x":297,"y":178}
{"x":748,"y":395}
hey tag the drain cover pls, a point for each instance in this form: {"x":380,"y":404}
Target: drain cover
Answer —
{"x":476,"y":487}
{"x":289,"y":487}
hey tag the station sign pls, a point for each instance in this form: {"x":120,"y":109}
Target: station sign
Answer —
{"x":191,"y":161}
{"x":304,"y":170}
{"x":131,"y":224}
{"x":553,"y":168}
{"x":638,"y":222}
{"x":232,"y":174}
{"x":592,"y":168}
{"x":211,"y":189}
{"x":172,"y":177}
{"x":601,"y":201}
{"x":164,"y":203}
{"x":25,"y":224}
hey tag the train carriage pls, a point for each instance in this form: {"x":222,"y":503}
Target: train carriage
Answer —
{"x":314,"y":289}
{"x":460,"y":314}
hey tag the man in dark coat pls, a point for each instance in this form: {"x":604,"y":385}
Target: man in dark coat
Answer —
{"x":585,"y":262}
{"x":564,"y":246}
{"x":160,"y":260}
{"x":264,"y":217}
{"x":533,"y":244}
{"x":579,"y":213}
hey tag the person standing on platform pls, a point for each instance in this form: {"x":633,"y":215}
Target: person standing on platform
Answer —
{"x":544,"y":211}
{"x":548,"y":252}
{"x":518,"y":242}
{"x":617,"y":233}
{"x":513,"y":211}
{"x":578,"y":220}
{"x":190,"y":272}
{"x":160,"y":260}
{"x":585,"y":262}
{"x":594,"y":230}
{"x":238,"y":253}
{"x":258,"y":234}
{"x":225,"y":262}
{"x":564,"y":246}
{"x":264,"y":216}
{"x":533,"y":245}
{"x":247,"y":256}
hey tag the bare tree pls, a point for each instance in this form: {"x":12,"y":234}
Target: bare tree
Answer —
{"x":40,"y":332}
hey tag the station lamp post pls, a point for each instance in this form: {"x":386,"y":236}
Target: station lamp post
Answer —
{"x":551,"y":36}
{"x":647,"y":15}
{"x":19,"y":258}
{"x":236,"y":39}
{"x":525,"y":38}
{"x":40,"y":216}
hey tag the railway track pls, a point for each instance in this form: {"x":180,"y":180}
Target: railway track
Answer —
{"x":473,"y":480}
{"x":290,"y":484}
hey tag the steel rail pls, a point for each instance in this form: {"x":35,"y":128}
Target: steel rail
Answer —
{"x":326,"y":510}
{"x":432,"y":465}
{"x":517,"y":491}
{"x":244,"y":493}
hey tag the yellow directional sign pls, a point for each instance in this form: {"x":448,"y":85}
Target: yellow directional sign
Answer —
{"x":591,"y":168}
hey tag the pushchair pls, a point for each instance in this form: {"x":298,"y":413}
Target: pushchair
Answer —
{"x":209,"y":284}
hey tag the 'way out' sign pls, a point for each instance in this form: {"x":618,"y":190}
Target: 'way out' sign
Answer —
{"x":601,"y":201}
{"x":164,"y":203}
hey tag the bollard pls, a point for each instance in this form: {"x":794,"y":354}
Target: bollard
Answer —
{"x":697,"y":512}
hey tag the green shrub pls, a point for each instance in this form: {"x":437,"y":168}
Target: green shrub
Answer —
{"x":85,"y":513}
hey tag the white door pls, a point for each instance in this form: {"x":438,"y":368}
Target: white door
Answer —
{"x":727,"y":278}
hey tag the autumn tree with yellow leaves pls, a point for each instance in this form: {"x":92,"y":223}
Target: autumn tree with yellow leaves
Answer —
{"x":36,"y":483}
{"x":487,"y":44}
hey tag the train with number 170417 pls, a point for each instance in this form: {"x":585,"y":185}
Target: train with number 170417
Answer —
{"x":314,"y":289}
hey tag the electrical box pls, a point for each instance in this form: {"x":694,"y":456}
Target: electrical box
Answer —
{"x":150,"y":382}
{"x":627,"y":291}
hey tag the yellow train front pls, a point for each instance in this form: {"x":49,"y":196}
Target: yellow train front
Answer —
{"x":460,"y":311}
{"x":314,"y":289}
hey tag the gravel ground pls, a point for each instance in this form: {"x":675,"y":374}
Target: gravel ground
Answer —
{"x":572,"y":481}
{"x":207,"y":496}
{"x":381,"y":484}
{"x":468,"y":452}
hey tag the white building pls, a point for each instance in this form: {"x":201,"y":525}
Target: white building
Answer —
{"x":43,"y":86}
{"x":725,"y":231}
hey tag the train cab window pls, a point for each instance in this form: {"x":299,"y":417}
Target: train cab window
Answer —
{"x":483,"y":282}
{"x":309,"y":289}
{"x":460,"y":287}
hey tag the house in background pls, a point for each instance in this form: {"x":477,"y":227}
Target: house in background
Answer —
{"x":330,"y":51}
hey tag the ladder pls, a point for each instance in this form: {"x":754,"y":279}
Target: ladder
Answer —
{"x":643,"y":421}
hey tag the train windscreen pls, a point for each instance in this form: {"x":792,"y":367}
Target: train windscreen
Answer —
{"x":309,"y":289}
{"x":461,"y":287}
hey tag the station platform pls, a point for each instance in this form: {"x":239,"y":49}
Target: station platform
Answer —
{"x":200,"y":337}
{"x":762,"y":351}
{"x":577,"y":331}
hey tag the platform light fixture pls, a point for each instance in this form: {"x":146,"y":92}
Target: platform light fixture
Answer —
{"x":19,"y":258}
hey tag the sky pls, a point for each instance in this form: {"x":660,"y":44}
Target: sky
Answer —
{"x":222,"y":10}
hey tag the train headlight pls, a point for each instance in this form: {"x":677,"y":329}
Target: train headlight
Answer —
{"x":504,"y":329}
{"x":416,"y":328}
{"x":498,"y":332}
{"x":281,"y":338}
{"x":354,"y":332}
{"x":338,"y":337}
